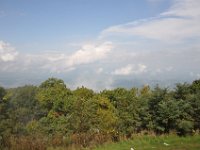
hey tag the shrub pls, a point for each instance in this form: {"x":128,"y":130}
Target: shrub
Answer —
{"x":185,"y":128}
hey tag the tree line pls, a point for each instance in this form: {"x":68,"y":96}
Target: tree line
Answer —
{"x":52,"y":114}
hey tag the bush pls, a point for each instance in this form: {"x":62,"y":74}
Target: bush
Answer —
{"x":185,"y":128}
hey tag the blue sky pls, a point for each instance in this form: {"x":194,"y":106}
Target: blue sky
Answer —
{"x":34,"y":24}
{"x":99,"y":43}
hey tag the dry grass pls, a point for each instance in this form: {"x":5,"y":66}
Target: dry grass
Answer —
{"x":57,"y":142}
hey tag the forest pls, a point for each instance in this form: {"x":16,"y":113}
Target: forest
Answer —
{"x":52,"y":115}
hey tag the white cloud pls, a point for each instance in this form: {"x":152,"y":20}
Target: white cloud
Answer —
{"x":130,"y":69}
{"x":181,"y":21}
{"x":99,"y":70}
{"x":141,"y":68}
{"x":127,"y":70}
{"x":50,"y":62}
{"x":7,"y":52}
{"x":89,"y":53}
{"x":184,"y":8}
{"x":55,"y":62}
{"x":169,"y":68}
{"x":195,"y":75}
{"x":97,"y":84}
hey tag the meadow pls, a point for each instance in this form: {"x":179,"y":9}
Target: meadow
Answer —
{"x":171,"y":142}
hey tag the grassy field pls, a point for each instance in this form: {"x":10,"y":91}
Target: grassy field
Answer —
{"x":156,"y":143}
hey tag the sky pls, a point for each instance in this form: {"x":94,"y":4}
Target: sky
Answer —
{"x":100,"y":44}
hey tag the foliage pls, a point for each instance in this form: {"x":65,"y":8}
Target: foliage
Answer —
{"x":86,"y":118}
{"x":185,"y":127}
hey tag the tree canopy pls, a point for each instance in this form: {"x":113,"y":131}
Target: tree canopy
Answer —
{"x":52,"y":109}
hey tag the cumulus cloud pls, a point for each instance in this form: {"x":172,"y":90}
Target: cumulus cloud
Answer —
{"x":181,"y":21}
{"x":55,"y":62}
{"x":127,"y":70}
{"x":130,"y":69}
{"x":89,"y":53}
{"x":7,"y":52}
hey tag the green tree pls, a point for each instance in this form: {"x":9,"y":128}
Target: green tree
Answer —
{"x":185,"y":127}
{"x":2,"y":93}
{"x":93,"y":114}
{"x":125,"y":101}
{"x":157,"y":101}
{"x":23,"y":107}
{"x":143,"y":108}
{"x":181,"y":91}
{"x":195,"y":87}
{"x":5,"y":121}
{"x":83,"y":92}
{"x":52,"y":94}
{"x":168,"y":114}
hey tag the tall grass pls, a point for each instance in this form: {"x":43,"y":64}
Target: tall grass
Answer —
{"x":103,"y":142}
{"x":57,"y":142}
